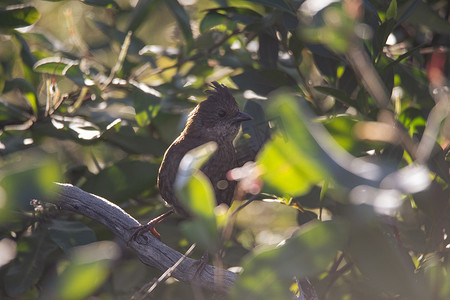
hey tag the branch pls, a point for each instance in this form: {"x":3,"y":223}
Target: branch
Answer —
{"x":150,"y":250}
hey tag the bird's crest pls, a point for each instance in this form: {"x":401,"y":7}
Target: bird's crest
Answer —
{"x":220,"y":92}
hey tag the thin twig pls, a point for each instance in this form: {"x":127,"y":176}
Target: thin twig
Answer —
{"x":167,"y":273}
{"x":250,"y":200}
{"x":120,"y":60}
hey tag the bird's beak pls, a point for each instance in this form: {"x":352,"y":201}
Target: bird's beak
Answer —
{"x":241,"y":117}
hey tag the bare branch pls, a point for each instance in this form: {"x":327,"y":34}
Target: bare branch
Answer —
{"x":150,"y":250}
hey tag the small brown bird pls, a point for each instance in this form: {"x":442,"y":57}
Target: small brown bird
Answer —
{"x":216,"y":119}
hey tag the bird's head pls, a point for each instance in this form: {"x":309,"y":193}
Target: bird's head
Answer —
{"x":217,"y":118}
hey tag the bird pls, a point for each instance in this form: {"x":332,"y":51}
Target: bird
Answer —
{"x":216,"y":119}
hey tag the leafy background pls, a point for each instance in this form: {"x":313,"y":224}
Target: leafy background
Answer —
{"x":350,"y":103}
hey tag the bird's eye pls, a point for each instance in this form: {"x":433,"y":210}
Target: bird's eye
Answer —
{"x":222,"y":113}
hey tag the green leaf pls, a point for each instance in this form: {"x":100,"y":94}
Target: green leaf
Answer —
{"x":196,"y":194}
{"x":140,"y":13}
{"x":54,"y":65}
{"x":337,"y":94}
{"x":182,"y":19}
{"x":123,"y":180}
{"x":18,"y":16}
{"x":30,"y":262}
{"x":278,"y":4}
{"x":289,"y":161}
{"x":27,"y":89}
{"x":374,"y":249}
{"x":308,"y":252}
{"x":61,"y":66}
{"x":102,"y":3}
{"x":198,"y":197}
{"x":89,"y":266}
{"x":211,"y":20}
{"x":34,"y":179}
{"x":391,"y":12}
{"x":68,"y":234}
{"x":423,"y":15}
{"x":146,"y":106}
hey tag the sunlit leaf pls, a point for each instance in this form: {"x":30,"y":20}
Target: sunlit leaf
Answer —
{"x":391,"y":12}
{"x":290,"y":161}
{"x":211,"y":20}
{"x":39,"y":178}
{"x":146,"y":106}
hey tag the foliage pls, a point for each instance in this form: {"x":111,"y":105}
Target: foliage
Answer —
{"x":350,"y":105}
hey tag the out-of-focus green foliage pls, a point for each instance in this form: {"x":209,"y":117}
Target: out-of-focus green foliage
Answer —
{"x":350,"y":108}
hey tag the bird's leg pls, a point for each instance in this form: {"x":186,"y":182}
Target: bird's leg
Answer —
{"x":201,"y":264}
{"x":150,"y":227}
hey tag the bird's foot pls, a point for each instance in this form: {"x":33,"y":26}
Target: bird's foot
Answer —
{"x":149,"y":227}
{"x":141,"y":229}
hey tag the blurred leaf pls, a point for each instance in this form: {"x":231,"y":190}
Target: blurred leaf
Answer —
{"x":386,"y":74}
{"x":337,"y":94}
{"x":333,"y":28}
{"x":263,"y":82}
{"x":18,"y":16}
{"x":278,"y":4}
{"x":256,"y":132}
{"x":25,"y":53}
{"x":309,"y":251}
{"x":406,"y":9}
{"x":210,"y":20}
{"x":381,"y":36}
{"x":222,"y":15}
{"x":69,"y":234}
{"x":61,"y":66}
{"x":31,"y":260}
{"x":89,"y":267}
{"x":413,"y":119}
{"x":182,"y":19}
{"x":34,"y":180}
{"x":289,"y":161}
{"x":306,"y":216}
{"x":341,"y":128}
{"x":268,"y":50}
{"x":381,"y":259}
{"x":196,"y":194}
{"x":119,"y":36}
{"x":347,"y":82}
{"x":423,"y":15}
{"x":140,"y":13}
{"x":123,"y":180}
{"x":146,"y":106}
{"x":102,"y":3}
{"x":128,"y":140}
{"x":27,"y":89}
{"x":391,"y":12}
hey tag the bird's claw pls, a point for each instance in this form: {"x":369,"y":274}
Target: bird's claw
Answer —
{"x":141,"y":229}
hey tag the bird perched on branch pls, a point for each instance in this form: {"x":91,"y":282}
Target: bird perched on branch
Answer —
{"x":216,"y":119}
